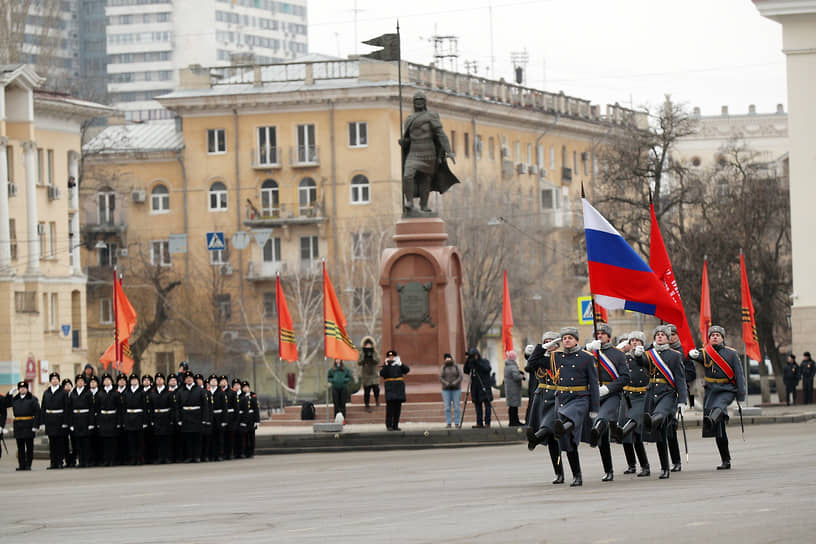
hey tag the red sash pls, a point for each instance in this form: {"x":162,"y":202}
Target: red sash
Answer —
{"x":551,"y":370}
{"x":717,"y":358}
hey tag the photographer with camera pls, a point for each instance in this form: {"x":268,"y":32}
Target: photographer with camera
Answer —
{"x":369,"y":378}
{"x":479,"y":370}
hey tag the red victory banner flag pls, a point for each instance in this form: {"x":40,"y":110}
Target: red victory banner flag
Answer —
{"x":337,"y":344}
{"x":601,"y":315}
{"x":661,"y":266}
{"x":705,"y":305}
{"x":287,"y":348}
{"x":507,"y":318}
{"x":749,"y":332}
{"x":124,"y":321}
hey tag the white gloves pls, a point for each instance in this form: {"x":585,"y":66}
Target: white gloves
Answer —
{"x":552,"y":344}
{"x":529,"y":350}
{"x":603,"y":391}
{"x":638,"y":351}
{"x":144,"y":425}
{"x":256,"y":425}
{"x":179,"y":423}
{"x":694,"y":354}
{"x":622,"y":344}
{"x":13,"y":392}
{"x":72,"y":428}
{"x":593,"y":415}
{"x":594,"y":345}
{"x":42,"y":428}
{"x":66,"y":426}
{"x":91,"y":427}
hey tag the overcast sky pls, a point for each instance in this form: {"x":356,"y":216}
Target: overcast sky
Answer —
{"x":705,"y":53}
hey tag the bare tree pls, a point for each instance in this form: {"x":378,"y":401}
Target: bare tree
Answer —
{"x":30,"y":28}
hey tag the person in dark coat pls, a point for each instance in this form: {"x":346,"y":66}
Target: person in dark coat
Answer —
{"x":724,"y":382}
{"x":69,"y":441}
{"x":450,"y":376}
{"x":577,"y":398}
{"x":479,"y":370}
{"x":666,"y":394}
{"x":613,"y":376}
{"x":230,"y":417}
{"x":81,"y":402}
{"x":219,"y":415}
{"x":5,"y":402}
{"x":808,"y":369}
{"x":176,"y":445}
{"x":27,"y":413}
{"x":250,"y":417}
{"x":206,"y":430}
{"x":791,"y":377}
{"x":392,"y":373}
{"x":149,"y":450}
{"x":193,"y":413}
{"x":339,"y":378}
{"x":542,"y":413}
{"x":56,"y":418}
{"x":237,"y":435}
{"x":95,"y":456}
{"x":121,"y":439}
{"x":135,"y":407}
{"x":630,"y":423}
{"x":162,"y":416}
{"x":88,"y":373}
{"x":108,"y":417}
{"x":532,"y":384}
{"x":691,"y":375}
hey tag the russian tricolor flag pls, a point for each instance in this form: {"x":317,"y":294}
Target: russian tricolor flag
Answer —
{"x":618,"y":277}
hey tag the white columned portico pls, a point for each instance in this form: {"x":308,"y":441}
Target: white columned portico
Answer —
{"x":5,"y":239}
{"x":73,"y":199}
{"x":30,"y":162}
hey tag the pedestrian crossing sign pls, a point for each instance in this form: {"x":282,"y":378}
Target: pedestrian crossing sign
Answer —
{"x":585,"y":310}
{"x":215,"y":241}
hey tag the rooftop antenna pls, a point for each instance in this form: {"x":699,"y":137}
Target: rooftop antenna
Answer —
{"x":520,"y":60}
{"x":446,"y":50}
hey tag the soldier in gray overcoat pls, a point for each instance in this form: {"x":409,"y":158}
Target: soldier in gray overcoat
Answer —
{"x":541,"y":426}
{"x":630,"y":423}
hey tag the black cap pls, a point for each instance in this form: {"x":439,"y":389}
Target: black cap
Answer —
{"x":121,"y":377}
{"x":134,"y":376}
{"x":172,"y":377}
{"x":93,"y":379}
{"x":108,"y":376}
{"x":224,"y":377}
{"x":188,"y":374}
{"x":53,"y":375}
{"x":67,"y":380}
{"x":212,"y":377}
{"x":79,"y":377}
{"x":22,"y":384}
{"x":390,"y":353}
{"x":159,"y":375}
{"x":447,"y":355}
{"x":807,"y":354}
{"x":244,"y":383}
{"x":236,"y":380}
{"x":147,"y":377}
{"x":199,"y":376}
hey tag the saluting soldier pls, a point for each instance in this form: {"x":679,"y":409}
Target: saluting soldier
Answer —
{"x":724,"y":382}
{"x":630,"y":424}
{"x":193,"y":412}
{"x":108,"y":419}
{"x":162,"y":416}
{"x":665,"y":395}
{"x":613,"y":376}
{"x":392,"y":373}
{"x":26,"y":412}
{"x":577,"y":398}
{"x":56,"y":419}
{"x":135,"y":420}
{"x":541,"y":424}
{"x":691,"y":376}
{"x":219,"y":416}
{"x":82,"y":420}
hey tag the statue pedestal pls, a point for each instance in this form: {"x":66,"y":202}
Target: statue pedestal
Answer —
{"x":422,"y":302}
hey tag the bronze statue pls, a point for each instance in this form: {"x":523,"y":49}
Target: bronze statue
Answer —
{"x":424,"y":150}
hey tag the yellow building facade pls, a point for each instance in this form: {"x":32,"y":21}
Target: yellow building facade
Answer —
{"x":42,"y":287}
{"x":303,"y":157}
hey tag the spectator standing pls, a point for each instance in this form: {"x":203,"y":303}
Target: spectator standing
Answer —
{"x":451,"y":377}
{"x":369,"y":377}
{"x":339,"y":376}
{"x":791,"y":378}
{"x":479,"y":370}
{"x":512,"y":388}
{"x":808,"y":368}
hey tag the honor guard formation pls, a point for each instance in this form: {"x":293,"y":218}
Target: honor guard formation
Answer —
{"x":134,"y":421}
{"x":629,"y":394}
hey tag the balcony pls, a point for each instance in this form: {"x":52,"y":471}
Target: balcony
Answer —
{"x":285,"y":214}
{"x":104,"y":227}
{"x":266,"y":158}
{"x":99,"y":273}
{"x":304,"y":156}
{"x":265,"y":270}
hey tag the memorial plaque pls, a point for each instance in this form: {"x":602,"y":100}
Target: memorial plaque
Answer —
{"x":414,"y":307}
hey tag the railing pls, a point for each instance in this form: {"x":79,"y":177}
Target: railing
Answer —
{"x":265,"y":270}
{"x":304,"y":155}
{"x":266,"y":157}
{"x":285,"y":212}
{"x":279,"y":73}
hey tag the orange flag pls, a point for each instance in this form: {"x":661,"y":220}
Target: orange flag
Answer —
{"x":287,"y":348}
{"x":124,"y":323}
{"x":749,"y":332}
{"x":601,"y":315}
{"x":507,"y":318}
{"x":337,"y":344}
{"x":705,"y":305}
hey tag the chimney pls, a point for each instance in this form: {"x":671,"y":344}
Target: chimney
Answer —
{"x":780,"y":108}
{"x":752,"y":109}
{"x":724,"y":110}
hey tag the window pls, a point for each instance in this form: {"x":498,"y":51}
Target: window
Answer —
{"x":52,"y":239}
{"x":270,"y":307}
{"x":362,"y":301}
{"x":360,"y":190}
{"x":45,"y":311}
{"x":575,"y":162}
{"x":491,"y":152}
{"x":220,"y":256}
{"x":307,"y":196}
{"x":50,"y":166}
{"x":25,"y":301}
{"x":467,"y":144}
{"x":267,"y":146}
{"x":218,"y":196}
{"x":477,"y":146}
{"x":106,"y":256}
{"x":269,"y":199}
{"x":13,"y":238}
{"x":216,"y":141}
{"x":585,"y":161}
{"x":306,"y":149}
{"x":223,"y":307}
{"x":39,"y":166}
{"x":361,"y":245}
{"x":272,"y":250}
{"x":41,"y":237}
{"x":517,"y":149}
{"x":552,"y":158}
{"x":358,"y":134}
{"x":550,"y":199}
{"x":160,"y":199}
{"x":540,"y":156}
{"x":160,"y":253}
{"x":54,"y":311}
{"x":105,"y":206}
{"x":308,"y":248}
{"x":453,"y":141}
{"x":105,"y":311}
{"x":563,"y":156}
{"x":10,"y":162}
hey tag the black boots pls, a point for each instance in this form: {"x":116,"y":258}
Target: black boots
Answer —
{"x":663,"y":454}
{"x":725,"y":455}
{"x":597,"y":432}
{"x":677,"y":467}
{"x":532,"y":441}
{"x":712,"y":419}
{"x":629,"y":452}
{"x":555,"y":457}
{"x":652,"y":421}
{"x":640,"y":450}
{"x":606,"y":461}
{"x":562,"y":428}
{"x":620,"y":433}
{"x":575,"y":467}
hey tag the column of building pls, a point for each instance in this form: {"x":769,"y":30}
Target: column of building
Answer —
{"x":73,"y":198}
{"x":5,"y":235}
{"x":30,"y":162}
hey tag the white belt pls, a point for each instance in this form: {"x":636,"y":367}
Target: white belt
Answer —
{"x":53,"y":411}
{"x":81,"y":410}
{"x":230,"y":410}
{"x":249,"y":411}
{"x":217,"y":411}
{"x":240,"y":411}
{"x":107,"y":412}
{"x":191,"y":407}
{"x":161,"y":410}
{"x":134,"y":411}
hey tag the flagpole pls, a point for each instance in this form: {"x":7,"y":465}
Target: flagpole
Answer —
{"x":115,"y":326}
{"x":399,"y":73}
{"x":324,"y":339}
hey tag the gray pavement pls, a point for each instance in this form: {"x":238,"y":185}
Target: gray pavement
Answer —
{"x":492,"y":494}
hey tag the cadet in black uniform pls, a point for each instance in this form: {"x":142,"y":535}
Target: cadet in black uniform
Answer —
{"x":176,"y":446}
{"x":162,"y":417}
{"x":26,"y":412}
{"x":149,"y":449}
{"x":577,"y":398}
{"x":54,"y":406}
{"x":193,"y":412}
{"x":665,"y":395}
{"x":724,"y":382}
{"x":392,"y":373}
{"x":206,"y":428}
{"x":541,"y":421}
{"x":121,"y":438}
{"x":82,"y":420}
{"x":108,"y":419}
{"x":69,"y":441}
{"x":630,"y":424}
{"x":135,"y":420}
{"x":613,"y":376}
{"x":219,"y":414}
{"x":95,"y":457}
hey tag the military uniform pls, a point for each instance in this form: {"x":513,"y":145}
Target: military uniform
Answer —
{"x":691,"y":375}
{"x":135,"y":407}
{"x":393,"y":374}
{"x":193,"y":413}
{"x":542,"y":412}
{"x":249,"y":417}
{"x":95,"y":457}
{"x":630,"y":422}
{"x":56,"y":417}
{"x":231,"y":429}
{"x":26,"y":412}
{"x":81,"y":402}
{"x":219,"y":421}
{"x":163,"y":415}
{"x":108,"y":417}
{"x":237,"y":435}
{"x":808,"y":371}
{"x":481,"y":393}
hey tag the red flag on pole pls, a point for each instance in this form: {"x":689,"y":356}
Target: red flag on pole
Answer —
{"x":337,"y":344}
{"x":705,"y":305}
{"x":749,"y":332}
{"x":287,"y":348}
{"x":661,"y":265}
{"x":601,"y":315}
{"x":124,"y":321}
{"x":507,"y":318}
